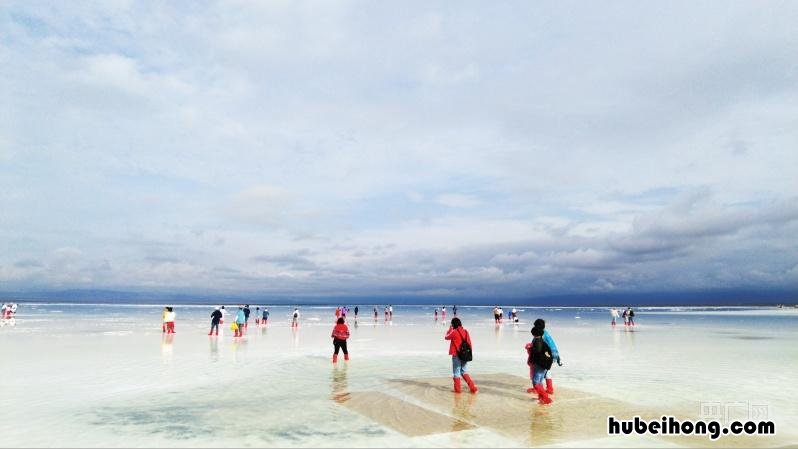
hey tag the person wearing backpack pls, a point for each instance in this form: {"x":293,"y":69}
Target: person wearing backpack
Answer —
{"x":540,"y":360}
{"x":555,"y":353}
{"x":461,"y":351}
{"x":340,"y":334}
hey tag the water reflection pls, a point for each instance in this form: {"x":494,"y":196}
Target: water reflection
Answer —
{"x":339,"y":384}
{"x":166,"y":347}
{"x":214,"y":346}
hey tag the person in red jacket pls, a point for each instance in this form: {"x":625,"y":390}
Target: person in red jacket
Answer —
{"x":456,"y":335}
{"x":339,"y":335}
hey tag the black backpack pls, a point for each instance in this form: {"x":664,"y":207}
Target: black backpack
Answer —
{"x":540,"y":354}
{"x":464,"y":351}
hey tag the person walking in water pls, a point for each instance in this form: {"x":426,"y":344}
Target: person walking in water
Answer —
{"x":216,"y":316}
{"x":246,"y":316}
{"x":555,"y":353}
{"x":257,"y":315}
{"x":376,"y":315}
{"x":436,"y":314}
{"x":241,"y":320}
{"x":614,"y":314}
{"x":626,"y":317}
{"x":539,"y":360}
{"x":265,"y":316}
{"x":630,"y":316}
{"x":390,"y":312}
{"x":163,"y":319}
{"x":460,"y":349}
{"x":295,"y":318}
{"x":356,"y":310}
{"x":454,"y":310}
{"x":224,"y":313}
{"x":170,"y":320}
{"x":443,"y":313}
{"x":339,"y":335}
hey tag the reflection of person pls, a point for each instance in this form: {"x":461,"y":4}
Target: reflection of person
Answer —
{"x":457,"y":335}
{"x":339,"y":384}
{"x":339,"y":335}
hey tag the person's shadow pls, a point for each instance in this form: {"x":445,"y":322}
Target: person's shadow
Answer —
{"x":339,"y":384}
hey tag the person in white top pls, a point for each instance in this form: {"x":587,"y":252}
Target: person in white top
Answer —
{"x":295,"y":318}
{"x":615,"y":315}
{"x":169,"y":317}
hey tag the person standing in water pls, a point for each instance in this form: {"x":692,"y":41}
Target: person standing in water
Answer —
{"x":170,"y":320}
{"x":339,"y":335}
{"x":457,"y":336}
{"x":224,"y":313}
{"x":631,"y":316}
{"x":246,"y":316}
{"x":257,"y":315}
{"x":241,"y":319}
{"x":265,"y":316}
{"x":436,"y":314}
{"x":626,"y":317}
{"x":216,"y":316}
{"x":555,"y":353}
{"x":614,"y":314}
{"x":443,"y":313}
{"x":356,"y":310}
{"x":376,"y":315}
{"x":295,"y":318}
{"x":454,"y":310}
{"x":539,"y":360}
{"x":390,"y":312}
{"x":163,"y":319}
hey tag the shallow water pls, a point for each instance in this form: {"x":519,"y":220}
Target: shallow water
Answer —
{"x":100,"y":375}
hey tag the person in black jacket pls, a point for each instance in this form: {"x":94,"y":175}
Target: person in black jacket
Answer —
{"x":540,"y":360}
{"x":216,"y":316}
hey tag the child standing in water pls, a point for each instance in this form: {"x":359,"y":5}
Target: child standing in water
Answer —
{"x":216,"y":316}
{"x":163,"y":319}
{"x":457,"y":335}
{"x":339,"y":335}
{"x":170,"y":320}
{"x":539,"y":360}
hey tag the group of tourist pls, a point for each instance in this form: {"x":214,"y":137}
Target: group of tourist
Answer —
{"x":628,"y":316}
{"x":7,"y":313}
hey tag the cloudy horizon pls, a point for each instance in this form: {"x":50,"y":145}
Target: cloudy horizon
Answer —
{"x":437,"y":150}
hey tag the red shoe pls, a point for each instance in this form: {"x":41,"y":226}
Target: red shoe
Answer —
{"x":549,"y":386}
{"x":456,"y":381}
{"x":346,"y":357}
{"x":542,"y":395}
{"x":471,"y":385}
{"x":335,"y":358}
{"x":531,"y":390}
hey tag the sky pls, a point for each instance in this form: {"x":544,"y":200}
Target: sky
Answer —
{"x":423,"y":149}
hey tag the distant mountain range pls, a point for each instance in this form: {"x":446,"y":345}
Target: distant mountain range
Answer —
{"x":731,"y":297}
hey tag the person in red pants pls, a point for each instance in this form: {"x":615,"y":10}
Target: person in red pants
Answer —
{"x":339,"y":335}
{"x":457,"y":335}
{"x":170,"y":320}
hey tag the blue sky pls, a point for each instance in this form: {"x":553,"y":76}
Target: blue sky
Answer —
{"x":369,"y":148}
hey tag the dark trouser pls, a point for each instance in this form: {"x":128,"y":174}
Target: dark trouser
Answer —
{"x":214,"y":325}
{"x":339,"y":344}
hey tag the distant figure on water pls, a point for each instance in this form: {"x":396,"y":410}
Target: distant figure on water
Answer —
{"x":265,"y":316}
{"x":539,"y":360}
{"x":339,"y":335}
{"x":390,"y":312}
{"x":216,"y":317}
{"x":170,"y":320}
{"x":386,"y":313}
{"x":375,"y":313}
{"x":436,"y":314}
{"x":246,"y":316}
{"x":241,"y":319}
{"x":454,"y":310}
{"x":497,"y":317}
{"x":356,"y":310}
{"x":295,"y":318}
{"x":514,"y":315}
{"x":337,"y":312}
{"x":460,"y":349}
{"x":614,"y":314}
{"x":224,"y":313}
{"x":257,"y":315}
{"x":630,"y":316}
{"x":163,"y":318}
{"x":443,"y":313}
{"x":626,"y":317}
